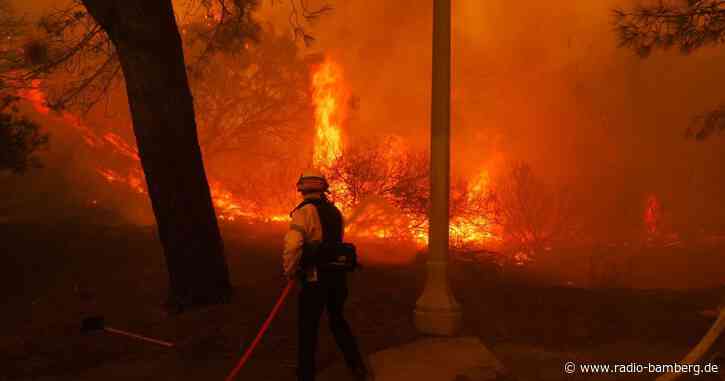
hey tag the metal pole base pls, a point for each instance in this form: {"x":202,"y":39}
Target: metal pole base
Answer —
{"x":437,"y":313}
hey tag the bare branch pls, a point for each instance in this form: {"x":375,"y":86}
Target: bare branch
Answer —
{"x":223,"y":26}
{"x":247,"y":99}
{"x":301,"y":11}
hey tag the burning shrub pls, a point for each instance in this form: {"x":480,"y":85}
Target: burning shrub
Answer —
{"x":385,"y":169}
{"x":381,"y":178}
{"x":268,"y":195}
{"x":385,"y":188}
{"x":535,"y":216}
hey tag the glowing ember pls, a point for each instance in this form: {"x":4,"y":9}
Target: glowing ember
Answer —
{"x":652,"y":215}
{"x":228,"y":206}
{"x":132,"y":180}
{"x":38,"y":100}
{"x":36,"y":97}
{"x":121,"y":146}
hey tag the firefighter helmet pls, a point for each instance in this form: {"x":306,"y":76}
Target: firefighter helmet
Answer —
{"x":312,"y":180}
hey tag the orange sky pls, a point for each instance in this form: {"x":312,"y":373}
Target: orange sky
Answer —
{"x":542,"y":82}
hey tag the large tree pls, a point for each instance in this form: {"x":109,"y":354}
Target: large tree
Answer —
{"x":147,"y":41}
{"x":83,"y":50}
{"x":686,"y":24}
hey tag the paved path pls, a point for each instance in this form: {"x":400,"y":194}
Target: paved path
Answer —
{"x":430,"y":359}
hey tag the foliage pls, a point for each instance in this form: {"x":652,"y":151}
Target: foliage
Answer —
{"x":68,"y":42}
{"x":534,"y":215}
{"x":20,"y":139}
{"x":11,"y":27}
{"x":687,"y":24}
{"x":220,"y":26}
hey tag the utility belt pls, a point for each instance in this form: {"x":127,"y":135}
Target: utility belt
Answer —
{"x":329,"y":256}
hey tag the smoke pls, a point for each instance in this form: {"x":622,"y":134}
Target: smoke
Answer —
{"x":540,"y":82}
{"x":544,"y":83}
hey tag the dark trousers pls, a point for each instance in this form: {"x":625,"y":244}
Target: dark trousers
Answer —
{"x":329,"y":292}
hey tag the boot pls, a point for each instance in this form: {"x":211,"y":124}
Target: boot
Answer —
{"x":363,"y":372}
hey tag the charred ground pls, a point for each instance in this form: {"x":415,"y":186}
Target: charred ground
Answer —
{"x":532,"y":323}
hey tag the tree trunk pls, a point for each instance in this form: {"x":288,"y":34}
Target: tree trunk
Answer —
{"x":149,"y":47}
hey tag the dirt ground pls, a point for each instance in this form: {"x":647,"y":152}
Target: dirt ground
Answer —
{"x":53,"y":276}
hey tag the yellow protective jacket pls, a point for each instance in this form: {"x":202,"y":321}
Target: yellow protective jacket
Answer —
{"x":304,"y":228}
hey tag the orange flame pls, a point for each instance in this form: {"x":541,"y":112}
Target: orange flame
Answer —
{"x":329,"y":98}
{"x":467,"y":230}
{"x":229,"y":207}
{"x":478,"y":228}
{"x":133,"y":180}
{"x":652,"y":215}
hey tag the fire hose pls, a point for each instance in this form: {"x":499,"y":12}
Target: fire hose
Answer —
{"x":265,"y":326}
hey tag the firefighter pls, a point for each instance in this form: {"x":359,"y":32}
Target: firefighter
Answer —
{"x":317,"y":217}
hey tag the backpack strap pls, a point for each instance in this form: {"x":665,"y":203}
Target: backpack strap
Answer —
{"x":330,"y":249}
{"x":331,"y":221}
{"x":330,"y":218}
{"x":305,"y":202}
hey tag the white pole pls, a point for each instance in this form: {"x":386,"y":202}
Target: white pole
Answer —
{"x":437,"y":312}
